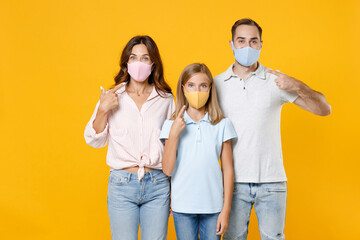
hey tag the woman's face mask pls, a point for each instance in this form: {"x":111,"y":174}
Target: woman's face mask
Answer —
{"x":139,"y":65}
{"x":139,"y":71}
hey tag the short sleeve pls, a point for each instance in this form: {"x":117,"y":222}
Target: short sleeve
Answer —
{"x":165,"y":130}
{"x":229,"y":130}
{"x":285,"y":96}
{"x":288,"y":96}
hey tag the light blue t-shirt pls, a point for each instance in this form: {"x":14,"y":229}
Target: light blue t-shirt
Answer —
{"x":196,"y":181}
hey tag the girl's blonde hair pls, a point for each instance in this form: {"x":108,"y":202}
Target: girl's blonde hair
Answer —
{"x":212,"y":104}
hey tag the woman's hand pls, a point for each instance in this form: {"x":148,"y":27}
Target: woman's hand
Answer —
{"x":108,"y":100}
{"x":178,"y":124}
{"x":222,"y":222}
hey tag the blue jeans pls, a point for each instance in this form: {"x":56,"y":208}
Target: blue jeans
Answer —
{"x":269,"y":200}
{"x":132,"y":202}
{"x":188,"y":226}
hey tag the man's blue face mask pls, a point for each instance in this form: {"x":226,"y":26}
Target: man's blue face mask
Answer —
{"x":246,"y":56}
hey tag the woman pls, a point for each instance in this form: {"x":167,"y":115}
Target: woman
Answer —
{"x":129,"y":118}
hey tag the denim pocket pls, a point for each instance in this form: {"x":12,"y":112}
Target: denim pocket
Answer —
{"x":276,"y":189}
{"x":116,"y":179}
{"x":161,"y":178}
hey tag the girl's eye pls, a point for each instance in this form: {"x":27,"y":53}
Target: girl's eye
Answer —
{"x":190,"y":85}
{"x":146,"y":59}
{"x":254,"y":42}
{"x":132,"y":58}
{"x":203,"y":86}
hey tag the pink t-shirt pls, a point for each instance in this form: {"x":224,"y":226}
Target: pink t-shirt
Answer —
{"x":133,"y":135}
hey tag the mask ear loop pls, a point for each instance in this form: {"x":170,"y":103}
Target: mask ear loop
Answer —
{"x":187,"y":103}
{"x":152,"y":68}
{"x":183,"y":87}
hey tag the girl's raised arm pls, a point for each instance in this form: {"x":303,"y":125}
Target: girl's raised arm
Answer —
{"x":169,"y":156}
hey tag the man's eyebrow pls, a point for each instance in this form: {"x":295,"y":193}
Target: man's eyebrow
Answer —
{"x":245,"y":38}
{"x":141,"y":55}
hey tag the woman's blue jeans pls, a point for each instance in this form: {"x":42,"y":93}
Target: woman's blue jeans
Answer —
{"x":132,"y":203}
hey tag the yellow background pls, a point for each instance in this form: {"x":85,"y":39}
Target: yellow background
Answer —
{"x":54,"y":55}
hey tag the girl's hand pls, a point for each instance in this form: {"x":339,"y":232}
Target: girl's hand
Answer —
{"x":222,"y":222}
{"x":108,"y":100}
{"x":178,"y":124}
{"x":170,"y":212}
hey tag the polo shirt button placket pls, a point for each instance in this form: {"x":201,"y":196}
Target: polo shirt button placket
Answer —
{"x":198,"y":133}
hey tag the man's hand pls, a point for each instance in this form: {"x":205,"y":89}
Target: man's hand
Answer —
{"x":285,"y":82}
{"x":308,"y":99}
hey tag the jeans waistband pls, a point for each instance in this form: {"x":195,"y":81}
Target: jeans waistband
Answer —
{"x":150,"y":174}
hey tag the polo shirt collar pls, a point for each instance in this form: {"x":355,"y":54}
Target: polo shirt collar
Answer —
{"x":260,"y":72}
{"x":188,"y":119}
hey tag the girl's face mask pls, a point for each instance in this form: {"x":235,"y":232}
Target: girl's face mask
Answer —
{"x":197,"y":99}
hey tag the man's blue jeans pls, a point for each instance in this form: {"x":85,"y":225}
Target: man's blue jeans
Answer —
{"x":132,"y":202}
{"x":188,"y":226}
{"x":269,"y":200}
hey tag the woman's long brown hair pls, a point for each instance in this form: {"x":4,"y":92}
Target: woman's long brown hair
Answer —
{"x":157,"y":74}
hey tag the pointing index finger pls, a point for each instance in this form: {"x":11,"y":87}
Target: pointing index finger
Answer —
{"x":115,"y":88}
{"x":182,"y":110}
{"x":277,"y":73}
{"x":102,"y":90}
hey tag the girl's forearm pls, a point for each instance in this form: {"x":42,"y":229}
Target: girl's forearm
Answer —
{"x":228,"y":174}
{"x":228,"y":178}
{"x":169,"y":156}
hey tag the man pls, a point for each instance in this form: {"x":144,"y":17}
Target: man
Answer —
{"x":251,"y":96}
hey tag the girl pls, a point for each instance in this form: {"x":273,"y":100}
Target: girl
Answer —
{"x":201,"y":191}
{"x":129,"y":117}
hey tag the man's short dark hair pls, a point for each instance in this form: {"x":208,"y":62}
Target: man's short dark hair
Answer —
{"x":245,"y":21}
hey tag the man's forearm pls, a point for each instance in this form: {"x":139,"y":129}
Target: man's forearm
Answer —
{"x":314,"y":101}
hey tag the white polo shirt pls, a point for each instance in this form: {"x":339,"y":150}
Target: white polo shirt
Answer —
{"x":254,"y":108}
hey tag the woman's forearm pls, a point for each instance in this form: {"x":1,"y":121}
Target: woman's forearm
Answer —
{"x":100,"y":121}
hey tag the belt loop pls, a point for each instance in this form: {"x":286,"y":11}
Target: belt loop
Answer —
{"x":129,"y":176}
{"x":151,"y":176}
